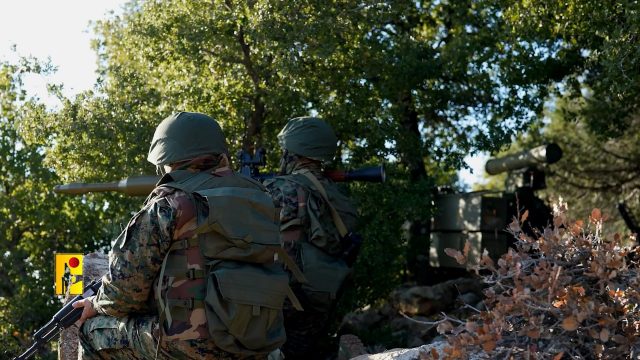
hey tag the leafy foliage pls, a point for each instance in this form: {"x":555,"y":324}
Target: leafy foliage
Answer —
{"x":418,"y":83}
{"x":569,"y":291}
{"x":603,"y":40}
{"x":34,"y":222}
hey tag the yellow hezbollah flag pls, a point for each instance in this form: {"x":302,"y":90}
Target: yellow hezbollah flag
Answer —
{"x":68,"y":274}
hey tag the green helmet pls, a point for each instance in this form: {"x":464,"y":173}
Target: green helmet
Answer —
{"x":309,"y":137}
{"x":185,"y":135}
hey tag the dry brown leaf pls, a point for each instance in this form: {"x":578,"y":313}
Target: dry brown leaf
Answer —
{"x":599,"y":349}
{"x":576,"y":228}
{"x":604,"y":335}
{"x":579,"y":290}
{"x":620,"y":339}
{"x":559,"y":356}
{"x":514,"y":226}
{"x":444,"y":327}
{"x":465,"y":250}
{"x":471,"y":326}
{"x":596,"y":215}
{"x":489,"y":346}
{"x":435,"y":354}
{"x":456,"y":254}
{"x":524,"y":216}
{"x":582,"y":315}
{"x":534,"y":333}
{"x":570,"y":323}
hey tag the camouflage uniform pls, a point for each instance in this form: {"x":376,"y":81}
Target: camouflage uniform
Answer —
{"x":128,"y":322}
{"x":127,"y":327}
{"x":307,"y":331}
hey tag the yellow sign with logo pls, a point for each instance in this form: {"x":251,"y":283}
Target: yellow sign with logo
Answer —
{"x":68,"y":274}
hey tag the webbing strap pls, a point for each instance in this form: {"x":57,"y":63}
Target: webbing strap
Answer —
{"x":184,"y":244}
{"x":163,"y":307}
{"x":342,"y":229}
{"x":294,"y":299}
{"x":190,"y":303}
{"x":290,"y":264}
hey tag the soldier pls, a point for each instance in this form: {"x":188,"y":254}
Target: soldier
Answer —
{"x":314,"y":221}
{"x":188,"y":278}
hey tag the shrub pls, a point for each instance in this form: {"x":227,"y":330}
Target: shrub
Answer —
{"x":567,"y":293}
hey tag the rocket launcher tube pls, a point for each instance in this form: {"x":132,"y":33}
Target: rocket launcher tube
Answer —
{"x":133,"y":186}
{"x":544,"y":154}
{"x":143,"y":185}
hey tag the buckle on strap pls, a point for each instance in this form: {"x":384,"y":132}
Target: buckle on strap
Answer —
{"x":188,"y":304}
{"x":193,"y":274}
{"x":184,"y":244}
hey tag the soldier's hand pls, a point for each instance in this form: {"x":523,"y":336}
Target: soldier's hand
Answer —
{"x":87,"y":312}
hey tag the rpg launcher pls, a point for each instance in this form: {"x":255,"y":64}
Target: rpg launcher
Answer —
{"x":143,"y":185}
{"x":64,"y":318}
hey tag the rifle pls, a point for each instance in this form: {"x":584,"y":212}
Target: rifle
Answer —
{"x":64,"y":318}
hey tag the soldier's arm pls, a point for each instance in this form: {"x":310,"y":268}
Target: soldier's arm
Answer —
{"x":135,"y":260}
{"x":290,"y":198}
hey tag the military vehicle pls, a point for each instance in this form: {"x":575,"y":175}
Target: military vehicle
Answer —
{"x":481,"y":217}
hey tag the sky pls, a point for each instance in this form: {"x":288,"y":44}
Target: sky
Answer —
{"x":59,"y":30}
{"x":55,"y":29}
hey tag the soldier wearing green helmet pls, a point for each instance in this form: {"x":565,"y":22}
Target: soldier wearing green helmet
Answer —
{"x":314,"y":219}
{"x":188,"y":278}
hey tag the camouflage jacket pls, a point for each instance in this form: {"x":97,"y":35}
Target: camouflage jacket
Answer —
{"x":305,"y":216}
{"x":136,"y":258}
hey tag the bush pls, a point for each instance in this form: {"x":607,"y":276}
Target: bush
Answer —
{"x":568,"y":293}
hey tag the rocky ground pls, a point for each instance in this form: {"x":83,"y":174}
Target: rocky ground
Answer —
{"x":407,"y":321}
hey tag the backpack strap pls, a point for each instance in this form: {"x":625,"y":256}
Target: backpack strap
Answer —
{"x":342,"y":229}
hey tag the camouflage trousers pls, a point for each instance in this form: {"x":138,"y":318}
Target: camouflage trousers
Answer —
{"x":136,"y":338}
{"x":308,"y":331}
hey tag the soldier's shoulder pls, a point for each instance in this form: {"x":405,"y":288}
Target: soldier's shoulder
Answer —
{"x":175,"y":198}
{"x":279,"y":182}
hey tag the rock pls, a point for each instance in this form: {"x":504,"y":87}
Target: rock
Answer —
{"x":350,"y":346}
{"x":427,"y":300}
{"x":469,"y":298}
{"x":404,"y":354}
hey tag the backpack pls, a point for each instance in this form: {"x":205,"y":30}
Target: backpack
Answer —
{"x":245,"y":286}
{"x":331,"y":248}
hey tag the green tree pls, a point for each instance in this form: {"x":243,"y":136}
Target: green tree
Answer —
{"x":34,"y":222}
{"x":604,"y":36}
{"x":422,"y":83}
